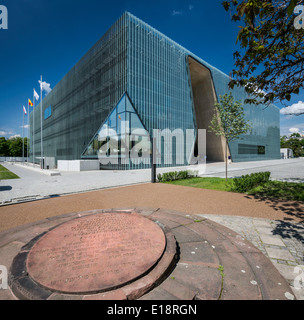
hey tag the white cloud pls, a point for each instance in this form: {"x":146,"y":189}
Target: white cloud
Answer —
{"x":294,"y":130}
{"x":26,"y":126}
{"x":295,"y":109}
{"x":15,"y":136}
{"x":177,"y":13}
{"x":5,"y":133}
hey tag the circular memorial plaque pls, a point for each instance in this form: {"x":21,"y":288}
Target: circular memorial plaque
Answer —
{"x":96,"y":253}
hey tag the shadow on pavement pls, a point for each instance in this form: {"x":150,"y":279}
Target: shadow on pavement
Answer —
{"x":292,"y":227}
{"x":289,"y":230}
{"x":295,"y":209}
{"x":5,"y":188}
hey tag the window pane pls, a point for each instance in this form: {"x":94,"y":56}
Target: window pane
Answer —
{"x":112,"y":120}
{"x":121,"y":107}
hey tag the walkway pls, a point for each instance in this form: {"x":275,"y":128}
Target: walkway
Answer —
{"x":275,"y":228}
{"x":37,"y":184}
{"x":282,"y":242}
{"x":202,"y":261}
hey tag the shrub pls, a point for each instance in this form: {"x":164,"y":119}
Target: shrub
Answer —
{"x":250,"y":181}
{"x":174,"y":175}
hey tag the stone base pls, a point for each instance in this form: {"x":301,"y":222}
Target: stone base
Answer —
{"x":78,"y":165}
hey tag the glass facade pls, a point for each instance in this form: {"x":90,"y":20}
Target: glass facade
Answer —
{"x":135,"y":79}
{"x":159,"y":85}
{"x":265,"y":122}
{"x":82,"y":100}
{"x":122,"y":140}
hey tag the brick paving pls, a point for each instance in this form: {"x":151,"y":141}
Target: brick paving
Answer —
{"x":275,"y":228}
{"x":282,"y":242}
{"x":211,"y":262}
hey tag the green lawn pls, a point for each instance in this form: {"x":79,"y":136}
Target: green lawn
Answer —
{"x":280,"y":190}
{"x":6,"y":174}
{"x":271,"y":190}
{"x":205,"y":183}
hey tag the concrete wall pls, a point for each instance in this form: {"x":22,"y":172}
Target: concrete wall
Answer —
{"x":204,"y":99}
{"x":49,"y":163}
{"x":286,"y":153}
{"x":77,"y":165}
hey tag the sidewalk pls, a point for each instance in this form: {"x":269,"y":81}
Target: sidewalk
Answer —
{"x":191,"y":270}
{"x":282,"y":242}
{"x":274,"y":227}
{"x":37,"y":184}
{"x":270,"y":227}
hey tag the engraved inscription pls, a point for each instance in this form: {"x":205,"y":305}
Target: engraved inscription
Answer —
{"x":96,"y":252}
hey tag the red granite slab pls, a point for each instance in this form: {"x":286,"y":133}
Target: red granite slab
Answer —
{"x":96,"y":252}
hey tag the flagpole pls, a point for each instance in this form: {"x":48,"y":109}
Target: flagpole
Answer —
{"x":33,"y":142}
{"x":28,"y":132}
{"x":42,"y":164}
{"x":23,"y":136}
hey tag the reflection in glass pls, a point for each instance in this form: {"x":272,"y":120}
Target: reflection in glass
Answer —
{"x":122,"y":138}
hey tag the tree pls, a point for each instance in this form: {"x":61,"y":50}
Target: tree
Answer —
{"x":283,"y":142}
{"x":296,"y":146}
{"x":3,"y":147}
{"x":15,"y":147}
{"x":229,"y":121}
{"x":295,"y":135}
{"x":295,"y":143}
{"x":270,"y":64}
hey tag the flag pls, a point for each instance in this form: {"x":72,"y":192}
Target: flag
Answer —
{"x":45,"y":86}
{"x":36,"y":95}
{"x":30,"y":102}
{"x":24,"y":110}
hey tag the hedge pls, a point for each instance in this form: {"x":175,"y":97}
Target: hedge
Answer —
{"x":176,"y":175}
{"x":250,"y":181}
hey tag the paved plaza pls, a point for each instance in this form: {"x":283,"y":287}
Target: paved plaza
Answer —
{"x":202,"y":260}
{"x":37,"y":183}
{"x":282,"y":242}
{"x":275,"y":228}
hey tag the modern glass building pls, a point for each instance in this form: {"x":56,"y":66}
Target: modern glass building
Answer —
{"x":133,"y":81}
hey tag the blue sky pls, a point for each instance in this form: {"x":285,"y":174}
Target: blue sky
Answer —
{"x":47,"y":37}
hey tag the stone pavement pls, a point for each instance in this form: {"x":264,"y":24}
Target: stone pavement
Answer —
{"x":282,"y":242}
{"x":39,"y":184}
{"x":280,"y":238}
{"x":283,"y":169}
{"x":203,"y":261}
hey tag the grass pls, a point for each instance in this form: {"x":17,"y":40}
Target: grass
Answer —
{"x":5,"y":174}
{"x":221,"y":270}
{"x":272,"y":190}
{"x":280,"y":190}
{"x":205,"y":183}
